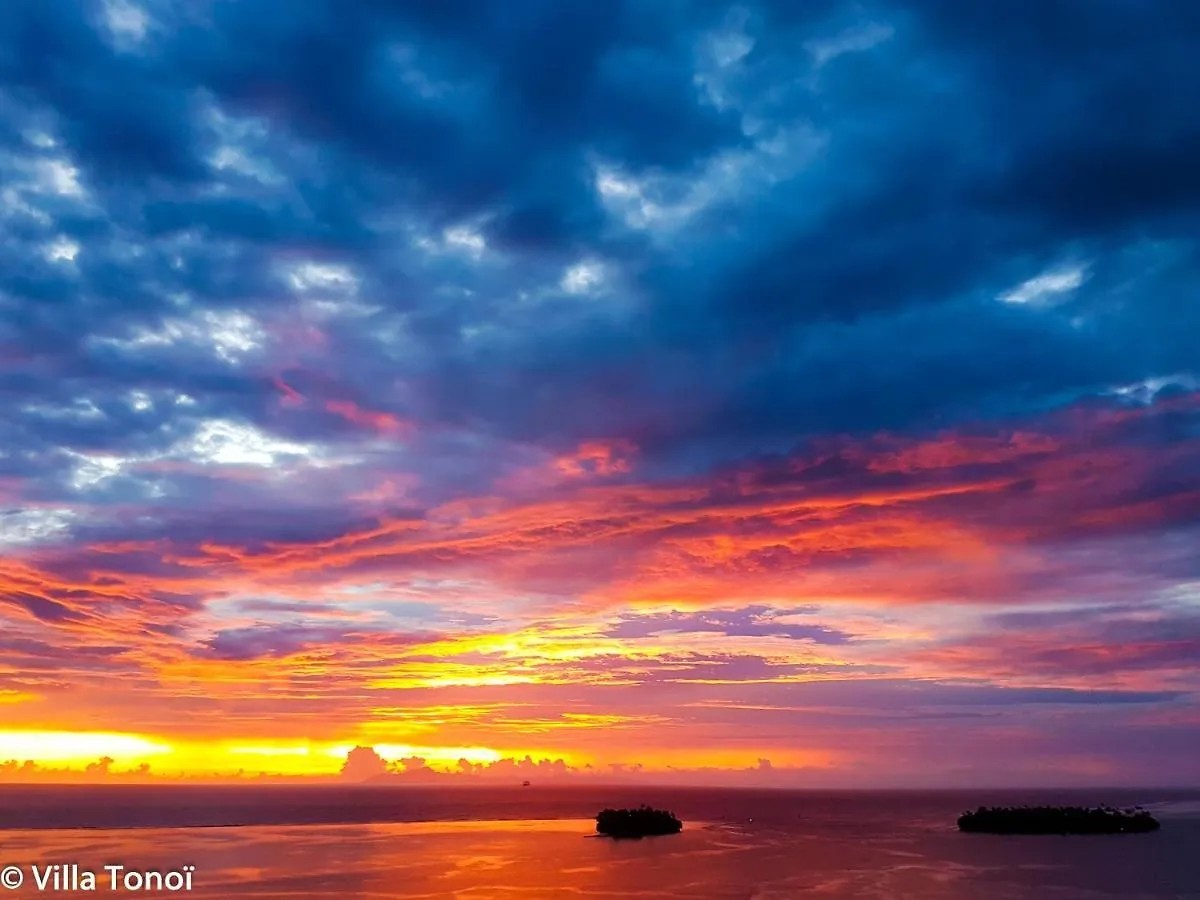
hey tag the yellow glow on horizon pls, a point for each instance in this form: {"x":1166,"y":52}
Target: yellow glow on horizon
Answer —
{"x":271,"y":751}
{"x":76,"y":746}
{"x":475,"y":681}
{"x":393,"y":752}
{"x":740,"y":760}
{"x":77,"y":752}
{"x":463,"y":680}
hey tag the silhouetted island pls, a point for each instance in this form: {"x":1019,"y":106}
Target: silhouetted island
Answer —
{"x":1057,"y":820}
{"x":637,"y":823}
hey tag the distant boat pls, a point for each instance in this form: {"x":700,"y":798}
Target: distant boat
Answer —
{"x":524,"y":784}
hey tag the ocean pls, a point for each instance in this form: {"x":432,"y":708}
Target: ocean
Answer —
{"x":538,"y":843}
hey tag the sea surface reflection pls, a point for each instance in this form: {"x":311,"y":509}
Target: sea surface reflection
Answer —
{"x":818,"y":854}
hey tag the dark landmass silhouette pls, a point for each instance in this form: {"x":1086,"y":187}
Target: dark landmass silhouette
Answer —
{"x":637,"y":823}
{"x":1057,"y":820}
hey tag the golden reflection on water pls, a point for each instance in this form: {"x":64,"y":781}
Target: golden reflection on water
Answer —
{"x":529,"y":860}
{"x":550,"y":860}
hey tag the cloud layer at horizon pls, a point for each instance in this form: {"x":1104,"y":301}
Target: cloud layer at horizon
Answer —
{"x":606,"y":380}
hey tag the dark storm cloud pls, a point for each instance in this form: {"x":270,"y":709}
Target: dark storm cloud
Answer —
{"x":865,"y":296}
{"x":861,"y":295}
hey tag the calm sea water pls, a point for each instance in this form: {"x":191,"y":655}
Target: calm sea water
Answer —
{"x":534,"y":843}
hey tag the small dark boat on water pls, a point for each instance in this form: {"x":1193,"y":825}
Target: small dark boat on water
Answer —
{"x":637,"y":823}
{"x":1057,"y":820}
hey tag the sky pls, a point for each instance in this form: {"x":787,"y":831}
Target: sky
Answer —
{"x":775,"y":393}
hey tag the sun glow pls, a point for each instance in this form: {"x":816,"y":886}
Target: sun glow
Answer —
{"x":81,"y":752}
{"x":271,"y":751}
{"x":438,"y":755}
{"x":77,"y":747}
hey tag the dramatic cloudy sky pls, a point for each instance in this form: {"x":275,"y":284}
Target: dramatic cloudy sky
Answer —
{"x":805,"y":388}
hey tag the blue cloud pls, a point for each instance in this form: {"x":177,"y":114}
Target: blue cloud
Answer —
{"x":807,"y":221}
{"x":717,"y":234}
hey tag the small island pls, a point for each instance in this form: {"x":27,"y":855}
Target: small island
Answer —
{"x":1057,"y":820}
{"x":637,"y":823}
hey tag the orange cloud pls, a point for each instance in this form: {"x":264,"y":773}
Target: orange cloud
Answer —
{"x":601,"y":458}
{"x":565,"y":609}
{"x":384,"y":423}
